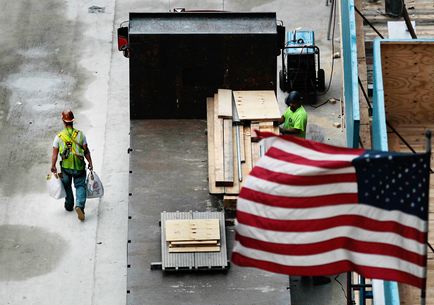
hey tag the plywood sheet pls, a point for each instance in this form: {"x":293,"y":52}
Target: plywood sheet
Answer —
{"x":228,"y":153}
{"x":256,"y":105}
{"x":193,"y":242}
{"x":247,"y":166}
{"x":256,"y":153}
{"x":408,"y":73}
{"x":225,"y":103}
{"x":195,"y":249}
{"x":192,"y":229}
{"x":218,"y":146}
{"x":213,"y":189}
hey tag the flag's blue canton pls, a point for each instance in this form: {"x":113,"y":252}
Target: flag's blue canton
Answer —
{"x":394,"y":181}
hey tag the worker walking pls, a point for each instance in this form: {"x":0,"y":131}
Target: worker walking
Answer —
{"x":294,"y":119}
{"x":71,"y":144}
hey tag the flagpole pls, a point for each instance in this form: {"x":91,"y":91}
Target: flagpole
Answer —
{"x":423,"y":291}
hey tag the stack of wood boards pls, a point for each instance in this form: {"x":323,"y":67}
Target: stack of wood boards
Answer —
{"x":233,"y":147}
{"x":193,"y":235}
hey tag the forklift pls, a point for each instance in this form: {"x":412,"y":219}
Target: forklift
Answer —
{"x":301,"y":69}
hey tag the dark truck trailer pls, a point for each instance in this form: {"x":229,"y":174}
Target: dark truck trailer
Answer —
{"x":177,"y":60}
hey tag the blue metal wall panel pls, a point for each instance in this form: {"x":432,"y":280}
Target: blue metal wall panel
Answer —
{"x":351,"y":90}
{"x":379,"y":129}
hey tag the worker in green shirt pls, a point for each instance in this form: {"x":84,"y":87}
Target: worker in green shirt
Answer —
{"x":294,"y":119}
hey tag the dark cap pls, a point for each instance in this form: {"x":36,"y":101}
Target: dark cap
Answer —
{"x":293,"y":96}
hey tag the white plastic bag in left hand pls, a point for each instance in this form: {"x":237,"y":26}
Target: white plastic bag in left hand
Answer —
{"x":55,"y":186}
{"x":94,"y":188}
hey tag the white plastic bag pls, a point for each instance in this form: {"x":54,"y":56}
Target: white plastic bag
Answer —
{"x":94,"y":188}
{"x":55,"y":186}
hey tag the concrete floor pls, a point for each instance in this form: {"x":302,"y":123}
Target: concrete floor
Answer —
{"x":58,"y":54}
{"x":169,"y":173}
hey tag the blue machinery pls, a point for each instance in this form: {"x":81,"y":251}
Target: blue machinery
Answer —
{"x":301,"y":67}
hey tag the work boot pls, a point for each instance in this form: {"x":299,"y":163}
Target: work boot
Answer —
{"x":321,"y":280}
{"x":80,"y":213}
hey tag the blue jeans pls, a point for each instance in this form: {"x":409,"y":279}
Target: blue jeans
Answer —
{"x":79,"y":178}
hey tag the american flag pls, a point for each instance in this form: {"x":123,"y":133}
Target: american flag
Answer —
{"x":313,"y":209}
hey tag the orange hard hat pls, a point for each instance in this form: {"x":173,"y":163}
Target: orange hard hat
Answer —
{"x":67,"y":116}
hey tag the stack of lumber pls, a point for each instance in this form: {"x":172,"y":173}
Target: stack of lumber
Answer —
{"x":193,"y":235}
{"x":233,"y":147}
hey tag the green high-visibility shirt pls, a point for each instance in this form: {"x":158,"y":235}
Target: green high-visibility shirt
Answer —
{"x":296,"y":119}
{"x":73,"y":140}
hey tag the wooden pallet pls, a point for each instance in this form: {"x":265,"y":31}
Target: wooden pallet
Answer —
{"x":194,"y":259}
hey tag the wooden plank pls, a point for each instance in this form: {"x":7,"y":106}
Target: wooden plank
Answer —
{"x":268,"y":126}
{"x":228,"y":152}
{"x":265,"y":125}
{"x":230,"y":202}
{"x":213,"y":189}
{"x":243,"y":153}
{"x":256,"y":153}
{"x":193,"y":242}
{"x":192,"y":229}
{"x":393,"y":142}
{"x":235,"y":188}
{"x":253,"y":127}
{"x":195,"y":249}
{"x":276,"y":130}
{"x":247,"y":166}
{"x":408,"y":71}
{"x":257,"y":105}
{"x":225,"y":103}
{"x":218,"y":146}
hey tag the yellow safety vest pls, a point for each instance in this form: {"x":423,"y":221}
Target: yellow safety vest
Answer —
{"x":71,"y":149}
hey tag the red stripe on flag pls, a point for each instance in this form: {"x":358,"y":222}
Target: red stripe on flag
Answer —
{"x":330,"y":269}
{"x":288,"y":179}
{"x":330,"y":245}
{"x":319,"y":147}
{"x":297,"y":202}
{"x":281,"y":155}
{"x":314,"y":225}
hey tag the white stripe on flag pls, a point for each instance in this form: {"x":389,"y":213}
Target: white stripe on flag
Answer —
{"x":284,"y":167}
{"x":278,"y":189}
{"x":304,"y":238}
{"x":293,"y":148}
{"x":362,"y":259}
{"x":278,"y":213}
